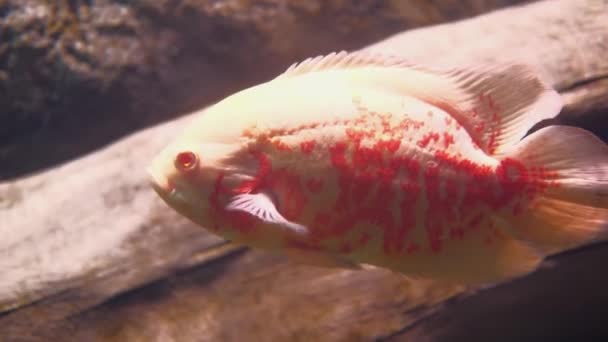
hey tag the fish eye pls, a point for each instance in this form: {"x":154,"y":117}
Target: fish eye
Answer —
{"x":186,"y":161}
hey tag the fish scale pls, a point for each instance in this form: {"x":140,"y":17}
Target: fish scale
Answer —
{"x":372,"y":142}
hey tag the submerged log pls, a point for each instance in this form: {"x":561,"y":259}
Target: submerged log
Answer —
{"x":88,"y":251}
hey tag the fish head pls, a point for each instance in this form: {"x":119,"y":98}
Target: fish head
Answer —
{"x":209,"y":166}
{"x":182,"y":174}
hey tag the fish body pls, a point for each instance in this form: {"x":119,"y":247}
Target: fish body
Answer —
{"x":353,"y":159}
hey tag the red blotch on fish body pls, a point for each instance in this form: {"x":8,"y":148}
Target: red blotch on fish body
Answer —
{"x":281,"y":145}
{"x":513,"y":177}
{"x":340,"y":163}
{"x":412,"y":248}
{"x":338,"y":156}
{"x":386,"y":175}
{"x":322,"y":219}
{"x":475,"y":221}
{"x":392,"y":145}
{"x":410,"y":190}
{"x":456,"y":233}
{"x":364,"y":162}
{"x":366,"y":157}
{"x":364,"y":191}
{"x":448,"y":139}
{"x":314,"y":184}
{"x":436,"y":208}
{"x":427,"y":139}
{"x":389,"y":145}
{"x":517,"y":209}
{"x":354,"y":134}
{"x":307,"y":146}
{"x":289,"y":190}
{"x":362,"y":186}
{"x":407,"y":124}
{"x":287,"y":185}
{"x":477,"y":188}
{"x":510,"y":186}
{"x":240,"y":221}
{"x":264,"y":168}
{"x":491,"y":127}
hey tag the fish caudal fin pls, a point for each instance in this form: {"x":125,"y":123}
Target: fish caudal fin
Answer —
{"x":571,"y":203}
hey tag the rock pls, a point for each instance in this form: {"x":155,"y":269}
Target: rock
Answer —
{"x":75,"y":75}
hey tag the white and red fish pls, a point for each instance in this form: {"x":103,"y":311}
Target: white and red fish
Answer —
{"x":355,"y":158}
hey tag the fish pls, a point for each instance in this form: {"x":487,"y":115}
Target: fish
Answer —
{"x":355,"y":159}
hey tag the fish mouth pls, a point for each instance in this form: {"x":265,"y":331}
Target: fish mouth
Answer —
{"x":167,"y":190}
{"x":160,"y":183}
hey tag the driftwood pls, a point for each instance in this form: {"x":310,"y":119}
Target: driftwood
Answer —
{"x":75,"y":237}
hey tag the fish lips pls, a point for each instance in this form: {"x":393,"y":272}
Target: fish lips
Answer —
{"x":163,"y":186}
{"x":160,"y":183}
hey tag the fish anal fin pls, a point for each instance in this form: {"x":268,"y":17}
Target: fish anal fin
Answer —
{"x":479,"y":258}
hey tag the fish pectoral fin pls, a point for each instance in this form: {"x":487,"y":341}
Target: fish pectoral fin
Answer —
{"x":261,"y":206}
{"x":322,"y":259}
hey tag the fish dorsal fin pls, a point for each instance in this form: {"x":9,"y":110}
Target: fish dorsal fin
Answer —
{"x":496,"y":103}
{"x":343,"y":60}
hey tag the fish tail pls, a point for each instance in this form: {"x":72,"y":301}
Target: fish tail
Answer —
{"x":570,"y":206}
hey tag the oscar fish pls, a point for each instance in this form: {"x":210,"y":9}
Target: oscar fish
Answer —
{"x":353,"y":159}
